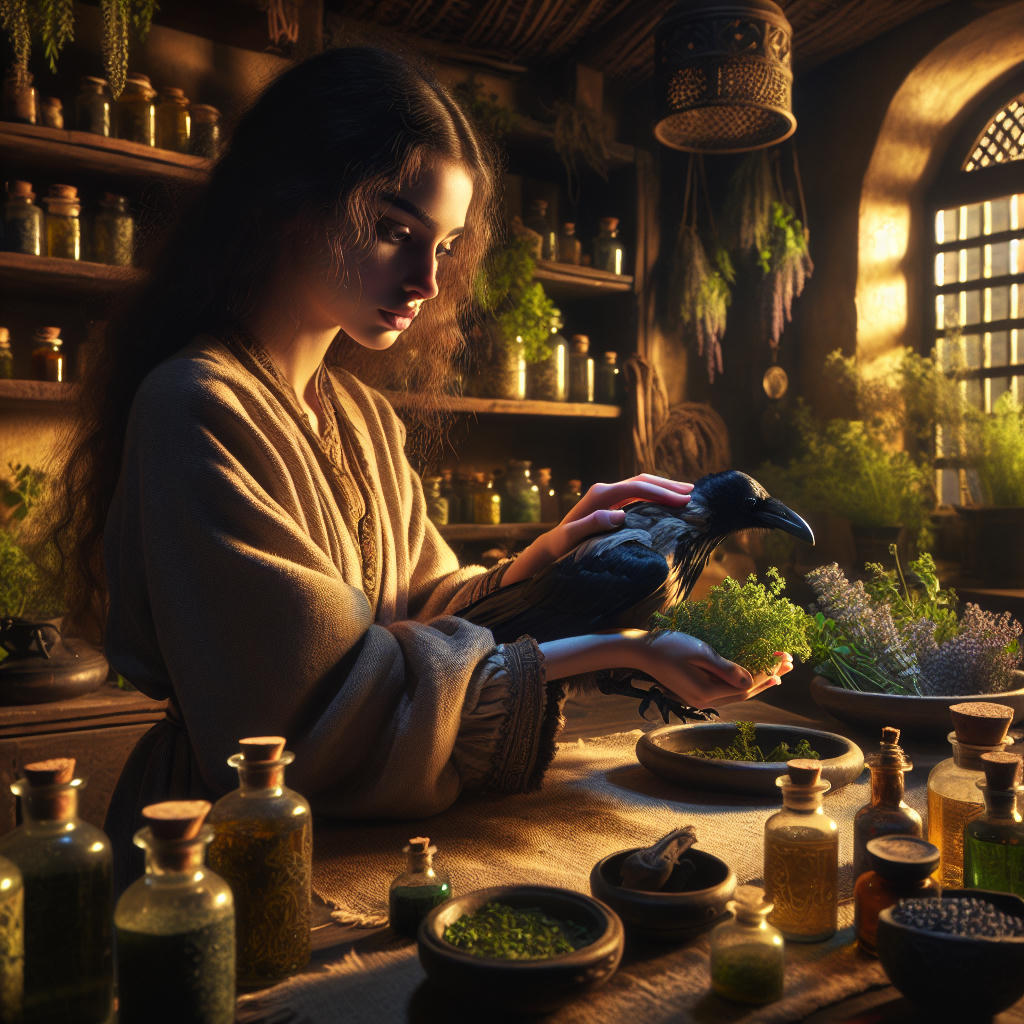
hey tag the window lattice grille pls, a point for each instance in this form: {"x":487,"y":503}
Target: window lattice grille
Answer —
{"x":1002,"y":140}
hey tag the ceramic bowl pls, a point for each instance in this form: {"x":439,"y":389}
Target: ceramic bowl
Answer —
{"x":522,"y":986}
{"x":921,"y":719}
{"x":688,"y":905}
{"x":665,"y":752}
{"x":954,"y":977}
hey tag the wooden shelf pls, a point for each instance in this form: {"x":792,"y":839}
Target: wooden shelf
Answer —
{"x":566,"y":279}
{"x":41,"y":391}
{"x":515,"y":407}
{"x":501,"y":531}
{"x":60,"y":152}
{"x":19,"y":270}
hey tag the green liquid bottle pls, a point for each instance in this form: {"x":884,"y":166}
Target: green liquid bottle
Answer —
{"x":65,"y":865}
{"x":994,"y":843}
{"x":176,"y":926}
{"x":418,"y":889}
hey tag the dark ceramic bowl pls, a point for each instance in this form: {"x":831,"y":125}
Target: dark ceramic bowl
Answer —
{"x":522,"y":986}
{"x":665,"y":752}
{"x":688,"y":905}
{"x":955,"y":978}
{"x":924,"y":719}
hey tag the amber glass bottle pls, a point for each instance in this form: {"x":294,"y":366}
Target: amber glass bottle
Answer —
{"x":23,"y":220}
{"x":176,"y":926}
{"x":63,"y":224}
{"x":48,"y":355}
{"x":887,"y":813}
{"x":801,"y":857}
{"x":173,"y":120}
{"x":263,"y":848}
{"x":135,"y":111}
{"x":65,"y":865}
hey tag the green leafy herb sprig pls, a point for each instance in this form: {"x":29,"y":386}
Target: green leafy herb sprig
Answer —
{"x":744,"y":622}
{"x":515,"y":933}
{"x":745,"y":748}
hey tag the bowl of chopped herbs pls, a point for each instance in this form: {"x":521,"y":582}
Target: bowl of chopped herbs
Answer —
{"x":744,"y":757}
{"x":523,"y":948}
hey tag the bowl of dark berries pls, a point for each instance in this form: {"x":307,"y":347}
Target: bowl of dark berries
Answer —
{"x":961,"y":956}
{"x":520,"y":948}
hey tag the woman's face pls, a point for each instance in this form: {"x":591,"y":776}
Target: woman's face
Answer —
{"x":417,"y":228}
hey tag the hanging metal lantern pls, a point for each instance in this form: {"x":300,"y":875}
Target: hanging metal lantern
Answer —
{"x":724,"y":76}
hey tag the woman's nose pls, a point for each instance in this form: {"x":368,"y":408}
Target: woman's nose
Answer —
{"x":421,"y":278}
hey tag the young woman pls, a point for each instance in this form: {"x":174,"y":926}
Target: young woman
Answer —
{"x":247,"y":528}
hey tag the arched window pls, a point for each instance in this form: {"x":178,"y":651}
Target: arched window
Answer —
{"x":978,"y":249}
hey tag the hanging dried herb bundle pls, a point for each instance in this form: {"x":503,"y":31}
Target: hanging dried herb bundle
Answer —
{"x":786,"y":263}
{"x":579,"y":137}
{"x":748,"y":207}
{"x":14,"y":21}
{"x":703,"y":291}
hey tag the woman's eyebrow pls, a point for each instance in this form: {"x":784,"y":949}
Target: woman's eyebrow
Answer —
{"x":420,"y":214}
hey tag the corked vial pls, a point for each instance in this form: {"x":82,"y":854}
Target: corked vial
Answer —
{"x":176,"y":839}
{"x":50,"y":789}
{"x":994,"y":841}
{"x":417,"y":890}
{"x":747,"y":953}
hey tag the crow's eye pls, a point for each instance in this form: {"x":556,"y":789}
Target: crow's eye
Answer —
{"x":750,"y":502}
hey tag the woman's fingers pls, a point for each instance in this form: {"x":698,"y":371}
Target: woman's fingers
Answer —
{"x":644,"y":487}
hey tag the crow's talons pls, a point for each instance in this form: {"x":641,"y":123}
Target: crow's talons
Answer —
{"x":609,"y":683}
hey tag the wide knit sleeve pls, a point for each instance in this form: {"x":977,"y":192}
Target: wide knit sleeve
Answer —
{"x":235,"y":588}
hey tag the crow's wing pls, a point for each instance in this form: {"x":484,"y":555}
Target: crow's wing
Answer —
{"x":591,"y":588}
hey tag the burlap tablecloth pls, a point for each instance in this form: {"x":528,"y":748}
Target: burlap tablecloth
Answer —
{"x":596,"y":799}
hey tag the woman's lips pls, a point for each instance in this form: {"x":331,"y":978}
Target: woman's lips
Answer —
{"x":397,"y":321}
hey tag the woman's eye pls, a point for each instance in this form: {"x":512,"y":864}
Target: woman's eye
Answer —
{"x":392,"y":231}
{"x":446,"y":248}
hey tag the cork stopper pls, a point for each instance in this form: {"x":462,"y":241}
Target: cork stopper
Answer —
{"x":57,"y":771}
{"x":890,"y":735}
{"x":5,"y":337}
{"x":51,"y":102}
{"x":570,"y":226}
{"x":262,"y":748}
{"x":171,"y":92}
{"x":139,"y":79}
{"x":982,"y":723}
{"x":611,"y":223}
{"x":804,"y":771}
{"x":575,"y":484}
{"x":176,"y":819}
{"x":20,"y":188}
{"x":203,"y":113}
{"x":749,"y":901}
{"x":580,"y":343}
{"x":419,"y":844}
{"x":1002,"y":770}
{"x":610,"y":357}
{"x":63,"y":192}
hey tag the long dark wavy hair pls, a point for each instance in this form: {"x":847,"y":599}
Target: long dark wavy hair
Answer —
{"x":306,"y":165}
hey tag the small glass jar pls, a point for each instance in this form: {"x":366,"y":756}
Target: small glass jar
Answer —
{"x":569,"y":247}
{"x":548,"y":380}
{"x":93,"y":107}
{"x":801,"y":857}
{"x":66,"y":870}
{"x":486,"y":500}
{"x":537,"y":220}
{"x":48,"y":355}
{"x":418,"y":889}
{"x":569,"y":497}
{"x":748,"y":963}
{"x":23,"y":220}
{"x":135,"y":111}
{"x":51,"y":112}
{"x":6,"y":365}
{"x":263,"y":848}
{"x":607,"y":387}
{"x":581,"y":370}
{"x":62,"y":223}
{"x":20,"y":99}
{"x":175,"y":926}
{"x":609,"y":252}
{"x":899,"y":867}
{"x":113,"y":232}
{"x":173,"y":120}
{"x":437,"y":503}
{"x":205,"y":131}
{"x":521,"y":501}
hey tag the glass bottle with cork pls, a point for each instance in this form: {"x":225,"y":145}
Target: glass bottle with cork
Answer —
{"x":994,"y":842}
{"x":801,"y":857}
{"x":897,"y":867}
{"x":548,"y":497}
{"x":607,"y":379}
{"x":521,"y":500}
{"x":205,"y":131}
{"x":48,"y":355}
{"x":887,"y":813}
{"x":609,"y":252}
{"x":953,"y":796}
{"x":437,"y":503}
{"x":747,"y":953}
{"x":537,"y":220}
{"x":6,"y":355}
{"x":548,"y":379}
{"x":51,"y":112}
{"x":20,"y":100}
{"x":135,"y":111}
{"x":418,"y":889}
{"x":23,"y":220}
{"x":62,"y":223}
{"x":113,"y":232}
{"x":569,"y":248}
{"x":263,"y":848}
{"x":66,"y":871}
{"x":173,"y":120}
{"x":486,"y":500}
{"x":12,"y":941}
{"x":581,"y":369}
{"x":175,"y":926}
{"x":93,"y":107}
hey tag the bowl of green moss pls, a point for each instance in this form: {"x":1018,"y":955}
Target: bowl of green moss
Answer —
{"x":521,"y":948}
{"x":744,"y":757}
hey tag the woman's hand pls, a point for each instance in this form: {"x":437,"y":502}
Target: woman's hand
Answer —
{"x":598,"y":511}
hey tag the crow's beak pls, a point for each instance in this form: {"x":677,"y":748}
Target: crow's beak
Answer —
{"x":773,"y":515}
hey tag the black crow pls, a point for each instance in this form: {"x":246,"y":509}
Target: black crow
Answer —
{"x":619,"y":579}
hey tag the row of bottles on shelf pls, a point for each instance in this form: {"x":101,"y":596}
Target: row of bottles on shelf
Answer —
{"x":163,"y":118}
{"x":48,"y":360}
{"x":182,"y":935}
{"x":508,"y":495}
{"x":108,"y":235}
{"x":605,"y":252}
